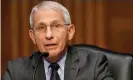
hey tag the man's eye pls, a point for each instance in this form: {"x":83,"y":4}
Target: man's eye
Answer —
{"x":40,"y":28}
{"x":57,"y":25}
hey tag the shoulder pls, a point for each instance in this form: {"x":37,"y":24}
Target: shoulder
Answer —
{"x":17,"y":67}
{"x":84,"y":52}
{"x":87,"y":56}
{"x":20,"y":68}
{"x":24,"y":62}
{"x":21,"y":61}
{"x":19,"y":64}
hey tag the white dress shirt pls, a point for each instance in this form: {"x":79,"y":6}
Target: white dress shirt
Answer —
{"x":61,"y":63}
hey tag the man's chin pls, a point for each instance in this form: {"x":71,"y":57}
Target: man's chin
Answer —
{"x":52,"y":52}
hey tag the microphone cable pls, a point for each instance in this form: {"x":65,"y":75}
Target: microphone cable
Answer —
{"x":45,"y":54}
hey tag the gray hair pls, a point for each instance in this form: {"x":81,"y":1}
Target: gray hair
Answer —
{"x":50,"y":5}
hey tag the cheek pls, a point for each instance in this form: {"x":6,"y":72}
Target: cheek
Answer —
{"x":38,"y":37}
{"x":39,"y":40}
{"x":63,"y":39}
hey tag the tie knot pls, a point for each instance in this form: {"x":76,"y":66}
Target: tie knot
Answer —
{"x":54,"y":66}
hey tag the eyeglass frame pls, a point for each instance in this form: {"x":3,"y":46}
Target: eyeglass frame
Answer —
{"x":57,"y":25}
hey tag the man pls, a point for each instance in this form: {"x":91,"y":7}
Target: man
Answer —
{"x":51,"y":29}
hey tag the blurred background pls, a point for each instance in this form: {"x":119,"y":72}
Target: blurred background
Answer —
{"x":104,"y":23}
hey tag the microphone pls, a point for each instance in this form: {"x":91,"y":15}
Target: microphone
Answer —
{"x":45,"y":54}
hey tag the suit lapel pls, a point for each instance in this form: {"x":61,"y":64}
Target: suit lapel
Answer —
{"x":40,"y":73}
{"x":71,"y":66}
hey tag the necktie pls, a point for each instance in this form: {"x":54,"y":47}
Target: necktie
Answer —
{"x":54,"y":74}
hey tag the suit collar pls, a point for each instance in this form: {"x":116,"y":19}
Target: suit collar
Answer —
{"x":71,"y":54}
{"x":40,"y":73}
{"x":34,"y":58}
{"x":71,"y":65}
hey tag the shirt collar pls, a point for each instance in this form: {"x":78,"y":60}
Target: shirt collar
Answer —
{"x":61,"y":63}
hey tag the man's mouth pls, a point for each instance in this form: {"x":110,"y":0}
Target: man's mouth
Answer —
{"x":50,"y":45}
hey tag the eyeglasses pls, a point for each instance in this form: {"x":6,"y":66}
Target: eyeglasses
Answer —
{"x":54,"y":27}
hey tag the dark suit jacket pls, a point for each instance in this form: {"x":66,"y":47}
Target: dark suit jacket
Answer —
{"x":81,"y":64}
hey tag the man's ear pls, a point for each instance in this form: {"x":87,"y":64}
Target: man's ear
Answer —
{"x":32,"y":36}
{"x":71,"y":31}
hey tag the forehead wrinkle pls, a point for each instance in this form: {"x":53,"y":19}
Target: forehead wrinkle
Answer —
{"x":60,"y":17}
{"x":53,"y":9}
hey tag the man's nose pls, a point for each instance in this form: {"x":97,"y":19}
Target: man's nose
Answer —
{"x":49,"y":34}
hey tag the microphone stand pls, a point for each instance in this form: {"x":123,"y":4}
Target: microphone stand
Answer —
{"x":45,"y":54}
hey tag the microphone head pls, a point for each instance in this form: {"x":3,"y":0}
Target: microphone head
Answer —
{"x":45,"y":54}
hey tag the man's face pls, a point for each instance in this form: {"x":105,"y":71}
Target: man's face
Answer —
{"x":50,"y":32}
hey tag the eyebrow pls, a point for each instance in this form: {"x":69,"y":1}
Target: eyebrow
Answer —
{"x":53,"y":22}
{"x":41,"y":23}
